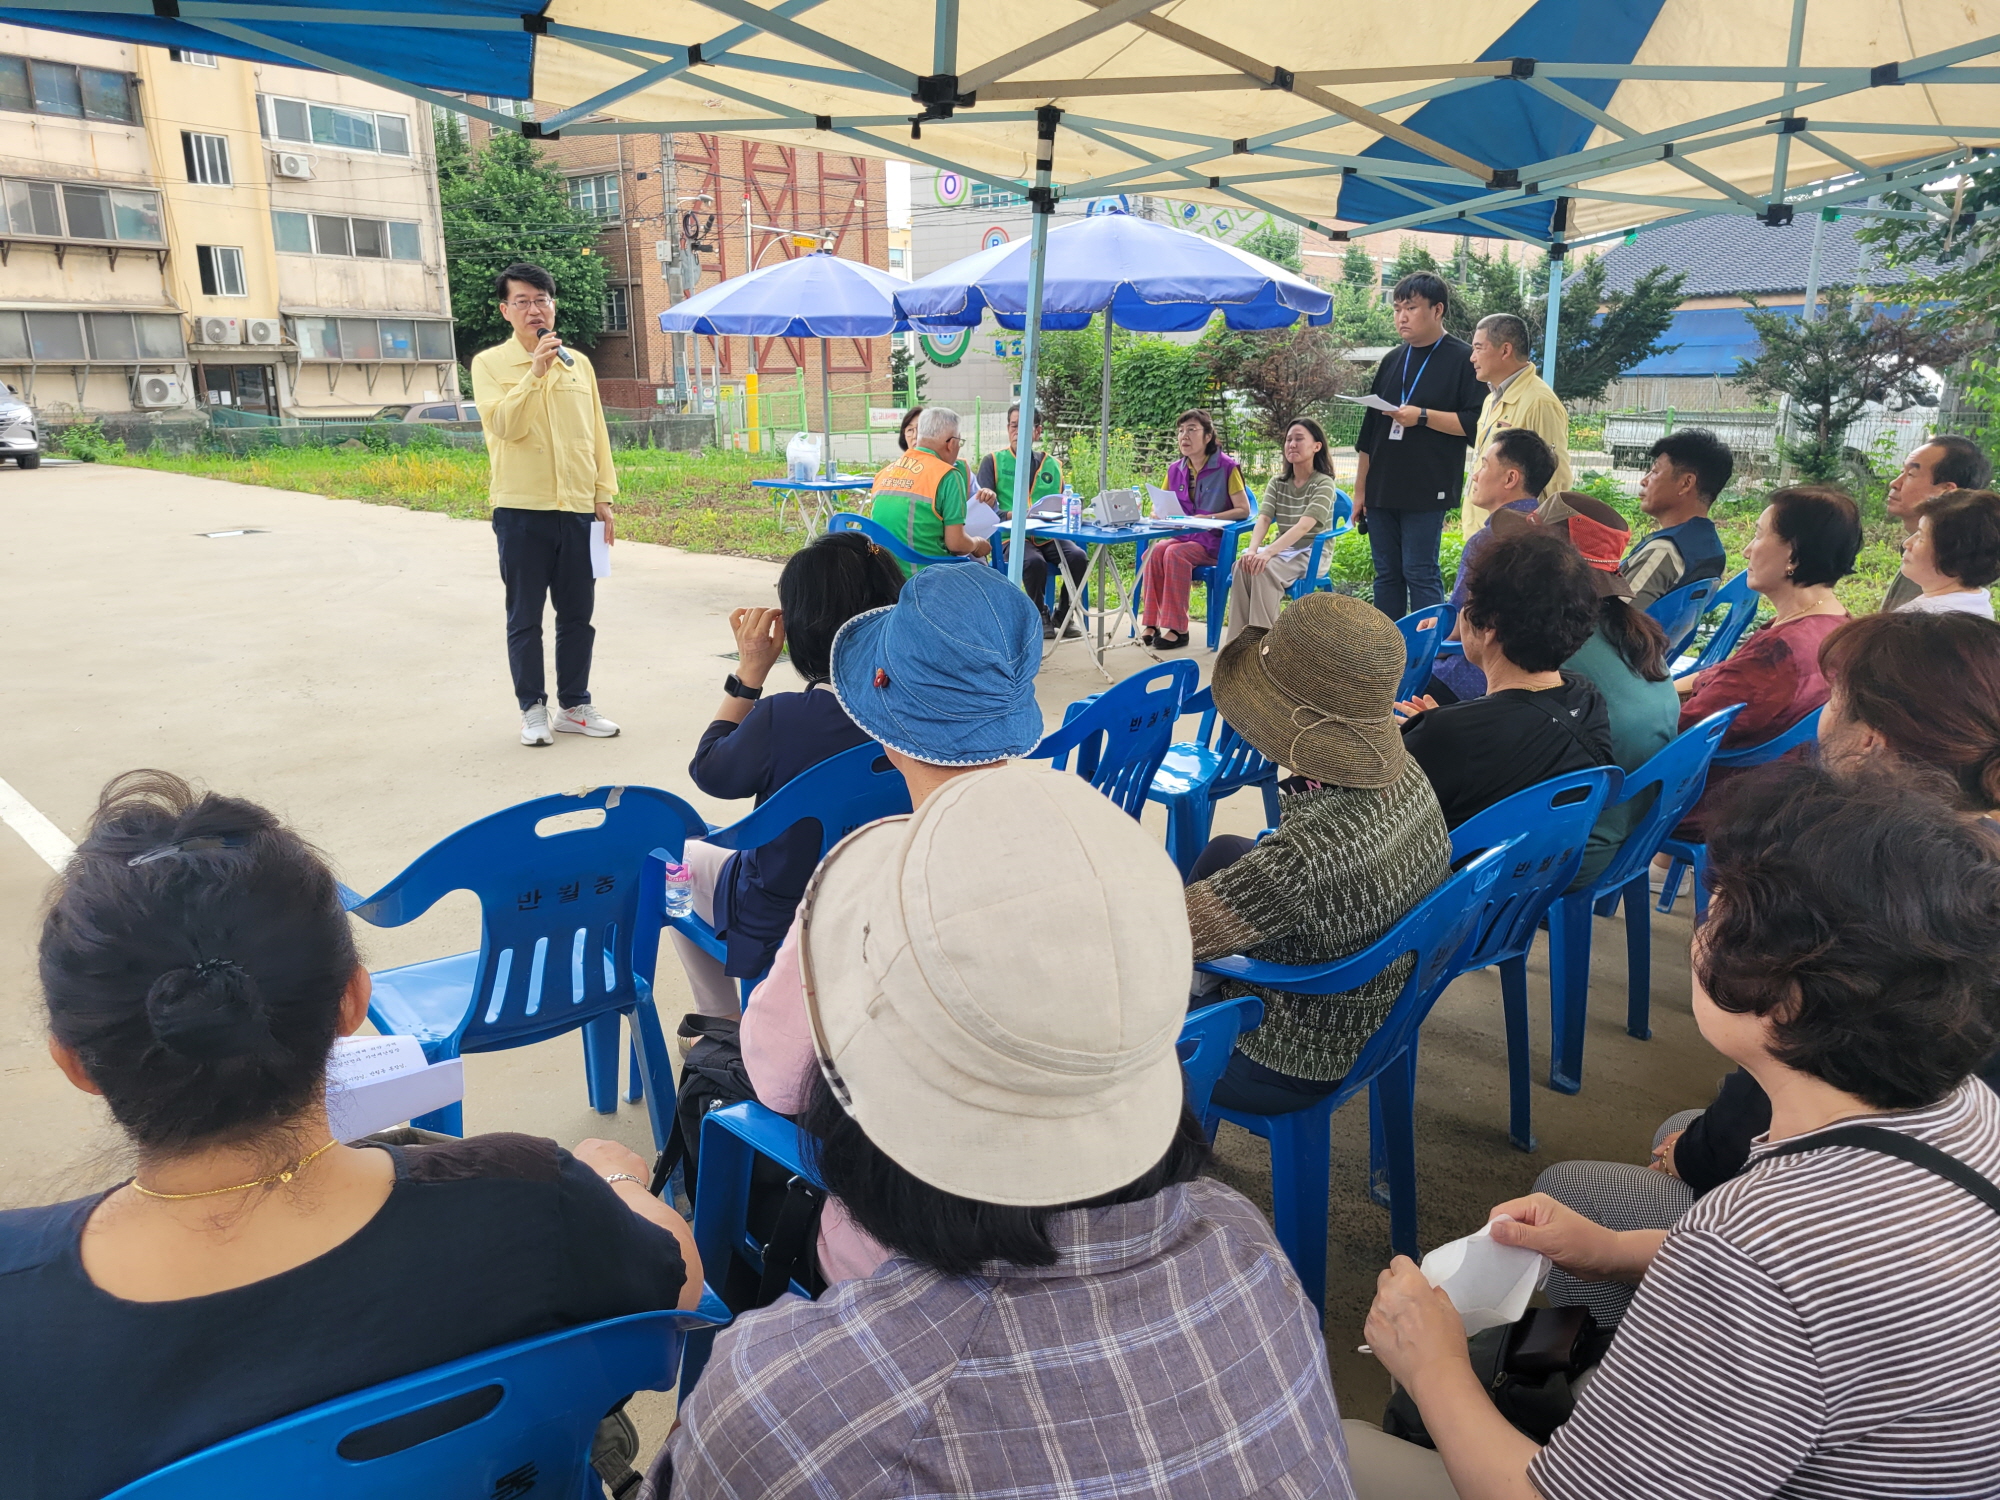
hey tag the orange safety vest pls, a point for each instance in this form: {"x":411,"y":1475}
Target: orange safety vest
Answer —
{"x":916,"y":475}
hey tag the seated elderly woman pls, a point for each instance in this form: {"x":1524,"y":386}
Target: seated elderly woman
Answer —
{"x":1874,"y":724}
{"x":1207,"y":482}
{"x":1359,"y":841}
{"x":1954,"y":553}
{"x":1806,"y":541}
{"x":1072,"y":1309}
{"x":1530,"y":605}
{"x":1822,"y":1325}
{"x":197,"y":966}
{"x":757,"y":742}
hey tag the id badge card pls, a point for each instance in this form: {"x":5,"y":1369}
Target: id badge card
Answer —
{"x":1395,"y":432}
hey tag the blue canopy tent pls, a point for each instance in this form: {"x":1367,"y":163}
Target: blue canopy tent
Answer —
{"x":1530,"y":120}
{"x":816,"y":296}
{"x":1140,"y":275}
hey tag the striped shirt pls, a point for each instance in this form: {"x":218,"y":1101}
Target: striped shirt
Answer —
{"x":1825,"y":1325}
{"x":1168,"y":1353}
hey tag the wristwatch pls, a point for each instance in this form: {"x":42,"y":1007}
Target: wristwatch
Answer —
{"x":1423,"y":416}
{"x":733,"y":686}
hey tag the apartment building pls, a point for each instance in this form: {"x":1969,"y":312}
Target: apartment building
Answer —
{"x":88,"y":316}
{"x":673,"y":210}
{"x":187,"y":230}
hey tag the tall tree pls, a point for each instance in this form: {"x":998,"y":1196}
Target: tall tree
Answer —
{"x":1282,"y":374}
{"x":505,"y":203}
{"x":1277,"y":243}
{"x":1361,"y":316}
{"x":1603,"y":334}
{"x":1835,"y":365}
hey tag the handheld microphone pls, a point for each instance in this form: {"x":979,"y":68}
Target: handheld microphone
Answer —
{"x":561,"y":354}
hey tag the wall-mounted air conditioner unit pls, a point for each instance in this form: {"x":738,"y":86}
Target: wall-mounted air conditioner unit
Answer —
{"x":158,"y":390}
{"x":218,"y":331}
{"x":263,"y":331}
{"x":294,"y":164}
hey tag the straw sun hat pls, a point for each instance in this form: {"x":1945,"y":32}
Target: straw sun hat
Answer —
{"x":983,"y":1059}
{"x":1314,"y":691}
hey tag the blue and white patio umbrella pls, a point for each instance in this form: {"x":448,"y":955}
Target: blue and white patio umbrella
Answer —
{"x":817,"y":296}
{"x":1143,"y":276}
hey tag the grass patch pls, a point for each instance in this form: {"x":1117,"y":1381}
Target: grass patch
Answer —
{"x":698,"y":501}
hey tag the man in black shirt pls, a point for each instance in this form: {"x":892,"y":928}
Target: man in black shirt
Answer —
{"x":1413,"y":459}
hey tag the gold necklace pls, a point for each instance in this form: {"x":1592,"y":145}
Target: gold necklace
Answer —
{"x":241,"y":1187}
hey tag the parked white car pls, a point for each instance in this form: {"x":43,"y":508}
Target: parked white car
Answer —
{"x":20,"y":439}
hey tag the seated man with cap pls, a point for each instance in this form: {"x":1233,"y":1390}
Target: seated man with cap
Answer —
{"x":1071,"y":1308}
{"x":944,"y":680}
{"x":1360,"y":840}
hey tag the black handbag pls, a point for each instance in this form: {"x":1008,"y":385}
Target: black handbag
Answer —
{"x":1529,"y":1368}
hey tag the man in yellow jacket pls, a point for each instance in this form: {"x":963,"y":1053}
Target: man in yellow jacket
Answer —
{"x":1516,"y":397}
{"x":552,"y":481}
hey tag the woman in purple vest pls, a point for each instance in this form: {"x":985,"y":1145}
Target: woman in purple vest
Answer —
{"x":1208,"y":482}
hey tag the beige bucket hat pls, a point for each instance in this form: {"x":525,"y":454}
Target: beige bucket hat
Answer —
{"x":996,"y":984}
{"x":1314,"y":692}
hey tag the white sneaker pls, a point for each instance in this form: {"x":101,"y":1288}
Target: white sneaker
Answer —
{"x":584,"y":719}
{"x":535,"y":725}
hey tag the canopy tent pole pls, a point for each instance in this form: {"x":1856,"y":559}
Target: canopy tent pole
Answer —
{"x":1552,"y":322}
{"x":1104,"y":431}
{"x":1042,"y":201}
{"x":826,"y":408}
{"x":1810,"y":312}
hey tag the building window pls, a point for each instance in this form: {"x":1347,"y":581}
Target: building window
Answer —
{"x":335,"y":234}
{"x":617,"y":312}
{"x":332,"y":125}
{"x":896,"y":258}
{"x":70,"y":210}
{"x":988,"y":195}
{"x":207,"y":158}
{"x":54,"y":88}
{"x":371,"y":338}
{"x":596,"y":196}
{"x":291,"y":232}
{"x":221,"y":270}
{"x":195,"y":59}
{"x":117,"y":337}
{"x":520,"y":109}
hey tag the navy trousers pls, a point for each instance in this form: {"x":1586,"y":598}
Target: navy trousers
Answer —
{"x":545,"y":557}
{"x":1405,"y":548}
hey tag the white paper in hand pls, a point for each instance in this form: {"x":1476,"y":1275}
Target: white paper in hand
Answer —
{"x":1372,"y":401}
{"x":373,"y":1082}
{"x":981,"y":520}
{"x":1165,"y":502}
{"x":600,"y":552}
{"x":1488,"y":1283}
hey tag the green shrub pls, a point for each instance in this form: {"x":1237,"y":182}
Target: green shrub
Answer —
{"x":86,"y":442}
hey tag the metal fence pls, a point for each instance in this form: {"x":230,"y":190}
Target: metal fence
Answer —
{"x":1881,"y":439}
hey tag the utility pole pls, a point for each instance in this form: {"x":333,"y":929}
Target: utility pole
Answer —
{"x":670,"y":197}
{"x":751,"y":415}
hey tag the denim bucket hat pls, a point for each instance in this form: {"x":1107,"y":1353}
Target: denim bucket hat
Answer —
{"x":946,"y":674}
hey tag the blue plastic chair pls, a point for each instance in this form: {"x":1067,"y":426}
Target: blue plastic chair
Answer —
{"x":889,"y":542}
{"x":1741,"y":602}
{"x":1318,"y":576}
{"x":1688,"y":856}
{"x":1680,"y":612}
{"x":569,"y":934}
{"x":1196,"y":774}
{"x":512,"y":1421}
{"x":1544,"y":830}
{"x":1120,"y":736}
{"x":1436,"y":930}
{"x":1424,"y":631}
{"x":733,"y":1136}
{"x":841,"y":793}
{"x":1673,"y":780}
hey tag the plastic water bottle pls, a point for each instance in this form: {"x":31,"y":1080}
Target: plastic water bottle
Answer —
{"x":1072,"y":508}
{"x":680,"y":891}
